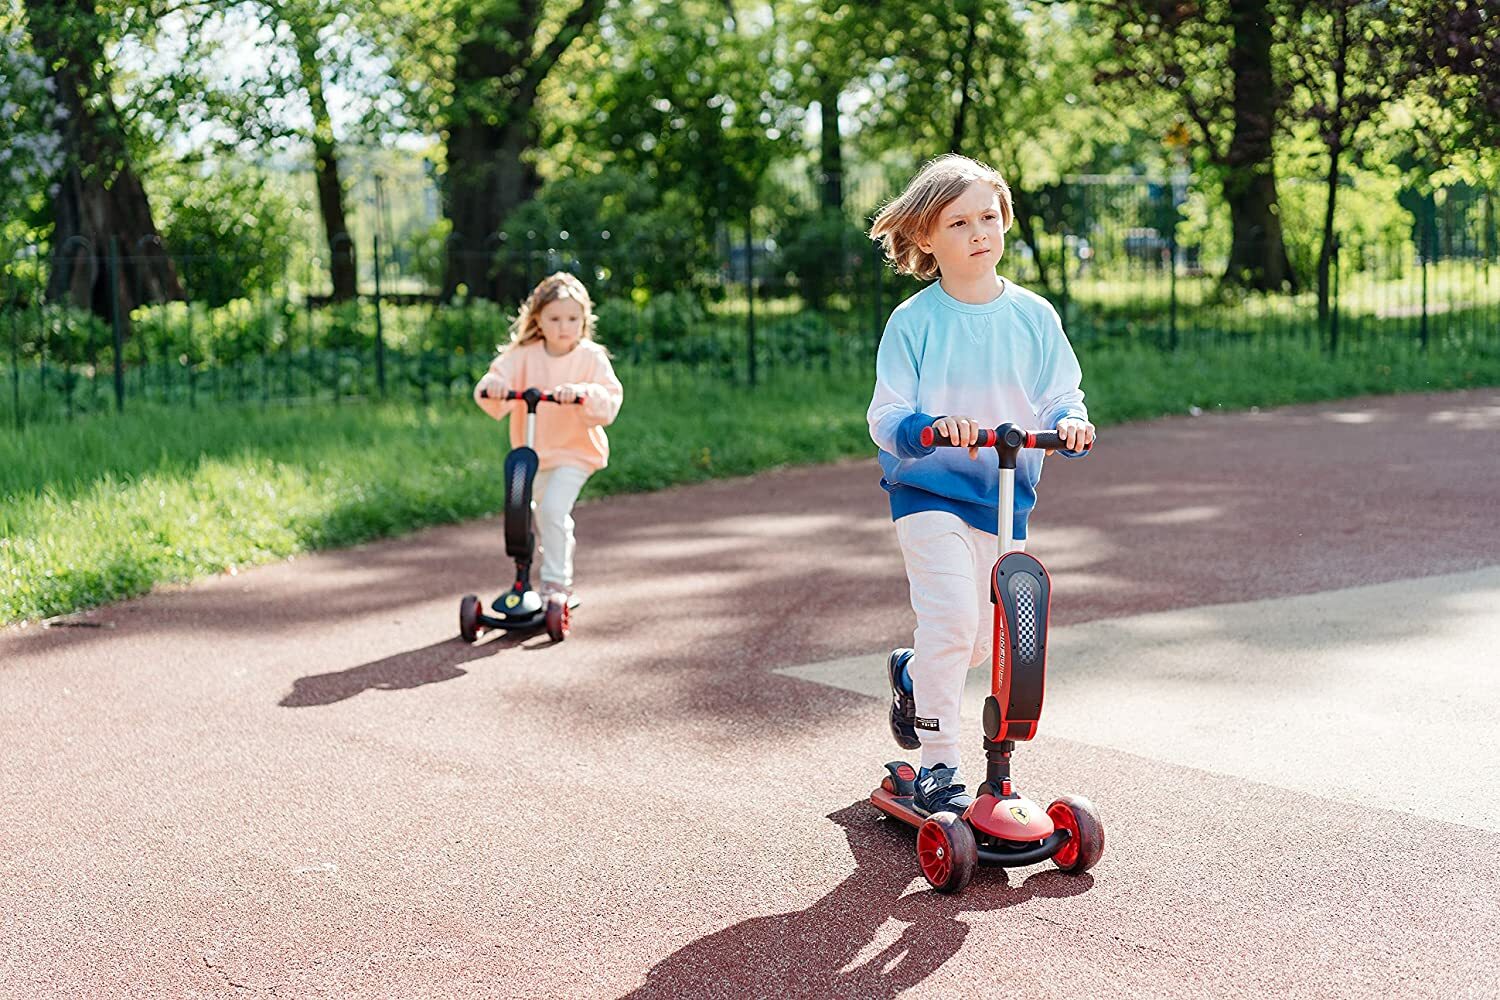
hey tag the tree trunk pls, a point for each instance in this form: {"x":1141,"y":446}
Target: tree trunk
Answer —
{"x":490,"y":127}
{"x":1325,"y":253}
{"x":832,"y":147}
{"x":1026,"y":223}
{"x":99,"y":200}
{"x":341,"y":266}
{"x":964,"y":82}
{"x":1257,"y":254}
{"x":487,"y":180}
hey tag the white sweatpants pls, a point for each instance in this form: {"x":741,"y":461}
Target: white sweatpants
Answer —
{"x":552,"y":496}
{"x":948,"y":565}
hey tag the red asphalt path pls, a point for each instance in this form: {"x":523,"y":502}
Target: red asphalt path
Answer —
{"x":297,"y":782}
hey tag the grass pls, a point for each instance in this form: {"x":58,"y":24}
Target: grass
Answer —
{"x":107,"y":507}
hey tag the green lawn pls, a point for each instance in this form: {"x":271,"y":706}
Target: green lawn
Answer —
{"x":106,"y":507}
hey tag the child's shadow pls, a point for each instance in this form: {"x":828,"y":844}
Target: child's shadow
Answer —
{"x":414,"y":668}
{"x":815,"y":953}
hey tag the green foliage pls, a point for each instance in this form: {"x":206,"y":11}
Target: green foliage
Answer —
{"x":101,"y":509}
{"x":816,"y":250}
{"x":622,"y":231}
{"x":229,"y":230}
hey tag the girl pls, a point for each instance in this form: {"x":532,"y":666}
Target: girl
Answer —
{"x":552,"y":348}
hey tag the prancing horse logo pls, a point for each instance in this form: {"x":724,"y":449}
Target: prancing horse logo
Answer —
{"x":1019,"y":813}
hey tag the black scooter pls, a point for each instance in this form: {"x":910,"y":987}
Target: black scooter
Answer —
{"x":519,"y":608}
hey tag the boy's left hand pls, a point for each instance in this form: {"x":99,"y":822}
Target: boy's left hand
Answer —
{"x":1076,"y":434}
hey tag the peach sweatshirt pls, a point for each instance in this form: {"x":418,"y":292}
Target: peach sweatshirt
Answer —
{"x":568,"y":434}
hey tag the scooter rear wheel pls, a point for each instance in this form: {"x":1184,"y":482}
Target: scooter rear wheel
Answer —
{"x":1085,"y":846}
{"x":559,"y":618}
{"x":946,"y":851}
{"x":468,"y":618}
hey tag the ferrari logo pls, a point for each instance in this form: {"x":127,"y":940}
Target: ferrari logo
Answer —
{"x":511,"y":600}
{"x":1020,"y":815}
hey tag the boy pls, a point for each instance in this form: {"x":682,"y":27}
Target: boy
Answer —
{"x":969,"y":351}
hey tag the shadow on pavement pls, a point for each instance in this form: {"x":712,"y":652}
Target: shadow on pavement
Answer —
{"x":417,"y":667}
{"x":818,"y":952}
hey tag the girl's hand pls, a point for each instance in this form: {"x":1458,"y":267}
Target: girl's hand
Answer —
{"x":1076,"y":434}
{"x":567,"y":392}
{"x":961,"y":431}
{"x":490,"y":386}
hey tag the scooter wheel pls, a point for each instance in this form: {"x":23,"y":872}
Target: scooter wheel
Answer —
{"x":946,"y":851}
{"x":468,"y":618}
{"x":1085,"y":846}
{"x":559,"y":618}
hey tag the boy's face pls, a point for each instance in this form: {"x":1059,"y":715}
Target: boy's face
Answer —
{"x":561,"y":322}
{"x":969,"y":236}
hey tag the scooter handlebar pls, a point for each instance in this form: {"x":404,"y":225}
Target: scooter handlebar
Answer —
{"x":1006,"y":435}
{"x":542,"y":397}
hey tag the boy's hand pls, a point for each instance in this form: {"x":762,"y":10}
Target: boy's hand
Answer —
{"x":1076,"y":434}
{"x":959,"y":430}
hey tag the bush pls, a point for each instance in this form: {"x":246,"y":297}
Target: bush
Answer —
{"x":228,"y":230}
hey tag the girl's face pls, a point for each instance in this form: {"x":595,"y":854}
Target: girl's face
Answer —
{"x":969,"y":235}
{"x":561,"y":323}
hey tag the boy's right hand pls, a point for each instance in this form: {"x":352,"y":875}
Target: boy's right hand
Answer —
{"x":959,"y":430}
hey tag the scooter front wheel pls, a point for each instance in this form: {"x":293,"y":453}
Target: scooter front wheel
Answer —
{"x":468,"y":618}
{"x":946,"y":851}
{"x":559,"y":618}
{"x":1085,"y":845}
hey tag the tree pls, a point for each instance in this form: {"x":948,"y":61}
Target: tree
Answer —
{"x":481,"y":65}
{"x":1215,"y":56}
{"x":1346,"y":59}
{"x":100,"y":201}
{"x":685,"y":96}
{"x":306,"y":20}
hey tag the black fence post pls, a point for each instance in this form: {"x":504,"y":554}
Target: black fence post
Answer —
{"x":114,"y":310}
{"x":379,"y":329}
{"x":750,"y":295}
{"x":15,"y":361}
{"x":1426,"y":251}
{"x":1333,"y":302}
{"x":1172,"y":275}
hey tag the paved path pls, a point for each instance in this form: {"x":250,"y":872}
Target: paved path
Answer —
{"x":1275,"y":667}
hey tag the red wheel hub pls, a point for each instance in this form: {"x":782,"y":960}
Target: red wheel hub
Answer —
{"x":934,"y":853}
{"x":1063,"y":818}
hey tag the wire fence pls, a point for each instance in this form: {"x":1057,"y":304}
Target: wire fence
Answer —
{"x":1130,"y":263}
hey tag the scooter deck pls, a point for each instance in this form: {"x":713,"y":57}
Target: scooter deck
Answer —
{"x":898,"y":803}
{"x":537,"y":620}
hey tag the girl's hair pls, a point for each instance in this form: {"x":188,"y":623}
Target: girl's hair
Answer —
{"x":907,"y":220}
{"x":527,"y":326}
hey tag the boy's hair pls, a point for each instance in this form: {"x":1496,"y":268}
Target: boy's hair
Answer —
{"x":909,"y":218}
{"x":526,"y":328}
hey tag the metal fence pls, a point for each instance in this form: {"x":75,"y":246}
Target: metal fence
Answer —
{"x":1124,"y":260}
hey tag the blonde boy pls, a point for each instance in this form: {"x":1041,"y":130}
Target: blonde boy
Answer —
{"x":971,"y":350}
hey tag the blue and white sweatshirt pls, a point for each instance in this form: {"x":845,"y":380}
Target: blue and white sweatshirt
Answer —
{"x":1005,"y":360}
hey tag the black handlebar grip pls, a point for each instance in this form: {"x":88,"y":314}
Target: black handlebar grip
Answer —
{"x":931,"y":438}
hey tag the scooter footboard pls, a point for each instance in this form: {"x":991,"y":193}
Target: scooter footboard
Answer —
{"x":520,"y":473}
{"x":1022,"y":594}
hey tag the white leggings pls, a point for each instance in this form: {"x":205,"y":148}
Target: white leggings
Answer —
{"x":948,"y":565}
{"x":552,"y":496}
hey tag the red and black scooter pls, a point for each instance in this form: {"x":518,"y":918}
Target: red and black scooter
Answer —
{"x":520,"y":607}
{"x":1001,"y":827}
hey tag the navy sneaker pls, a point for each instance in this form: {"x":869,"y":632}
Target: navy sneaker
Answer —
{"x":903,"y":705}
{"x":938,"y":792}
